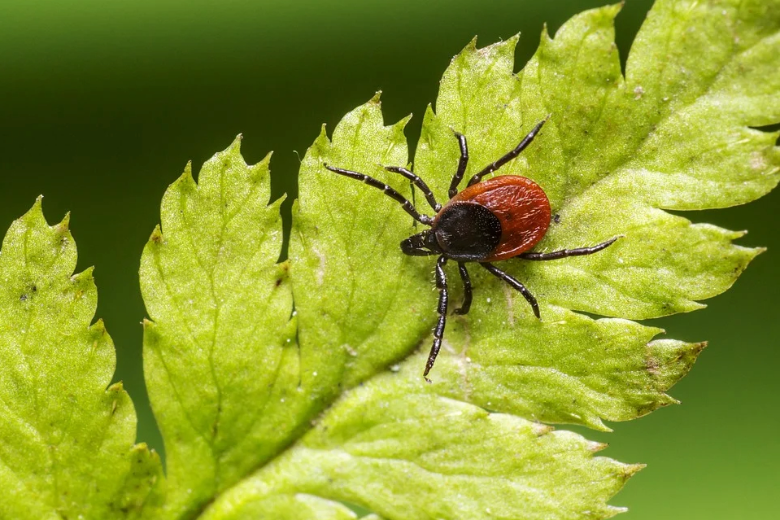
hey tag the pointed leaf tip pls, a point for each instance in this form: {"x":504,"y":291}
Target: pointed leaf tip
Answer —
{"x":64,"y":224}
{"x":35,"y":213}
{"x":99,"y":327}
{"x":235,"y":146}
{"x":632,"y":469}
{"x":157,"y":236}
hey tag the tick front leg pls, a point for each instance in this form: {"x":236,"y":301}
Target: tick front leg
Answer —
{"x":387,"y":190}
{"x":563,"y":253}
{"x":464,"y":276}
{"x":417,"y":181}
{"x":490,"y":168}
{"x":515,"y":285}
{"x":462,"y":163}
{"x":438,"y":332}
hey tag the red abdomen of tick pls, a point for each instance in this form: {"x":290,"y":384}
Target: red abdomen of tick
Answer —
{"x":519,"y":204}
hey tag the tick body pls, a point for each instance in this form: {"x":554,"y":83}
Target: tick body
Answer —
{"x":493,"y":220}
{"x":497,"y":219}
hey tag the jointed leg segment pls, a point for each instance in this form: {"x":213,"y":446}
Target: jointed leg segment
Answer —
{"x":563,"y":253}
{"x":511,"y":155}
{"x":417,"y":181}
{"x":438,"y":332}
{"x":390,"y":192}
{"x":462,"y":163}
{"x":515,"y":285}
{"x":467,"y":295}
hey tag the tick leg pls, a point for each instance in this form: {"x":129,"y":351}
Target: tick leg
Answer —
{"x":515,"y":285}
{"x":462,"y":163}
{"x":464,"y":276}
{"x":417,"y":181}
{"x":563,"y":253}
{"x":511,"y":155}
{"x":390,"y":192}
{"x":438,"y":332}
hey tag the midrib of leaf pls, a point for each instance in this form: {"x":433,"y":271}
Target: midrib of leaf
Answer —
{"x":465,"y":106}
{"x":567,"y":151}
{"x":212,"y":439}
{"x":209,"y":293}
{"x":347,"y":242}
{"x":573,"y":152}
{"x":215,"y":326}
{"x":33,"y":375}
{"x":192,"y":341}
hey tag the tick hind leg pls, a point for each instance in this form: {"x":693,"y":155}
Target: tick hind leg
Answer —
{"x":467,"y":294}
{"x":490,"y":168}
{"x":563,"y":253}
{"x":438,"y":331}
{"x":515,"y":285}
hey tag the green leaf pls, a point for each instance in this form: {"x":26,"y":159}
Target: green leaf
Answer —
{"x":66,"y":440}
{"x":360,"y":305}
{"x":322,"y":412}
{"x":218,"y":355}
{"x":395,"y":447}
{"x":546,"y":370}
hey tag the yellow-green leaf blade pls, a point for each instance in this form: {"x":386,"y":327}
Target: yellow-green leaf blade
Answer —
{"x":354,"y":293}
{"x":612,"y":158}
{"x":66,"y":440}
{"x":396,"y":448}
{"x":218,"y":338}
{"x":568,"y":368}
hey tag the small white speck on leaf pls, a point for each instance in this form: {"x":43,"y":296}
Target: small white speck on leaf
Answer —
{"x":321,"y":267}
{"x":757,"y":161}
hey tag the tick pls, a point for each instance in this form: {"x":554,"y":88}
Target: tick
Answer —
{"x":497,"y":219}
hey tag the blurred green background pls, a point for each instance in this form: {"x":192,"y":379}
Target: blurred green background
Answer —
{"x":102,"y":103}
